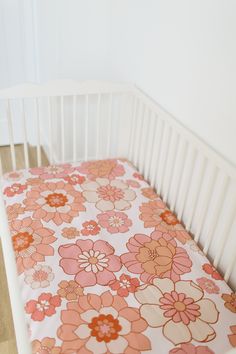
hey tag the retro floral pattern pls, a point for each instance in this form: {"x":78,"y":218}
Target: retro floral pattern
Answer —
{"x":58,"y":202}
{"x":103,"y":324}
{"x":105,"y":267}
{"x":180,"y":309}
{"x":108,"y":195}
{"x":31,"y":242}
{"x":154,"y":256}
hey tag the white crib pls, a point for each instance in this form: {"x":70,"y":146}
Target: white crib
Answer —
{"x":75,"y":121}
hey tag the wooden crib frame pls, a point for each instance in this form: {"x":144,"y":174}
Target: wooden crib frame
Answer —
{"x":89,"y":120}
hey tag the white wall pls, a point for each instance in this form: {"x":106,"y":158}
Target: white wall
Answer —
{"x":73,"y":39}
{"x":183,"y":54}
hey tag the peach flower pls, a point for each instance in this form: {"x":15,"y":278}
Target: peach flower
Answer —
{"x":209,"y":269}
{"x":208,"y":285}
{"x":13,"y":176}
{"x":15,"y":189}
{"x":114,"y":222}
{"x":154,"y":256}
{"x":14,"y":210}
{"x":104,"y":169}
{"x":232,"y":337}
{"x":74,"y":179}
{"x":230,"y":301}
{"x":31,"y":242}
{"x":70,"y":232}
{"x":124,"y":285}
{"x":179,"y":309}
{"x":70,"y":290}
{"x":90,"y":228}
{"x":191,"y":349}
{"x":102,"y":324}
{"x":132,"y":183}
{"x":108,"y":195}
{"x":39,"y":276}
{"x":44,"y":306}
{"x":91,"y":262}
{"x":53,"y":171}
{"x":45,"y":346}
{"x":155,"y":214}
{"x":149,"y":193}
{"x":58,"y":202}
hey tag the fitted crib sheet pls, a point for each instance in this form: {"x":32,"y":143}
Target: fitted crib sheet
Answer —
{"x":105,"y":267}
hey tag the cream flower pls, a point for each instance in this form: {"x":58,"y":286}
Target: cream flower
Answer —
{"x":180,"y":309}
{"x":108,"y":195}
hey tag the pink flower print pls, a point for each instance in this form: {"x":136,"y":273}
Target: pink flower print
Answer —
{"x":114,"y":222}
{"x":91,"y":262}
{"x":53,"y":171}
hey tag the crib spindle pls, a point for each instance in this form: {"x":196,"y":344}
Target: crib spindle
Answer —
{"x":143,"y":141}
{"x":98,"y":124}
{"x":215,"y":217}
{"x":74,"y":129}
{"x":139,"y":127}
{"x":86,"y":128}
{"x":50,"y":130}
{"x":150,"y":147}
{"x":185,"y":182}
{"x":39,"y":157}
{"x":62,"y":129}
{"x":230,"y":266}
{"x":132,"y":128}
{"x":157,"y":151}
{"x":26,"y":152}
{"x":169,"y":163}
{"x":109,"y":124}
{"x":11,"y":138}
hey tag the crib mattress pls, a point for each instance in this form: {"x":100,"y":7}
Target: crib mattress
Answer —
{"x":105,"y":267}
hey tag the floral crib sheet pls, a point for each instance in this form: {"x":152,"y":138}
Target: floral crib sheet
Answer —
{"x":105,"y":267}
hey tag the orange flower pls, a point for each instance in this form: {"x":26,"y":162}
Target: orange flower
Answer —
{"x":90,"y":228}
{"x":14,"y":210}
{"x":232,"y":337}
{"x":149,"y":193}
{"x":230,"y":301}
{"x":47,"y":345}
{"x":107,"y":321}
{"x":104,"y":169}
{"x":70,"y":290}
{"x":209,"y":269}
{"x":70,"y":232}
{"x":155,"y":214}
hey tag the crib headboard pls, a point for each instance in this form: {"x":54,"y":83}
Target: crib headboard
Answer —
{"x":80,"y":121}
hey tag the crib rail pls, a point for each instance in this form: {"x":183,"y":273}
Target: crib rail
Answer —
{"x":74,"y":121}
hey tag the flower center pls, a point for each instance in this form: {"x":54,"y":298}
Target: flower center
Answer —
{"x":56,"y":200}
{"x":116,"y":221}
{"x":105,"y":328}
{"x":53,"y":169}
{"x":180,"y":306}
{"x":169,"y":218}
{"x":110,"y":193}
{"x":40,"y":275}
{"x":21,"y":241}
{"x":93,"y":261}
{"x":42,"y":305}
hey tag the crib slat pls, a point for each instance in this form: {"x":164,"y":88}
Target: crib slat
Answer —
{"x":143,"y":141}
{"x":132,"y":125}
{"x":98,"y":124}
{"x":39,"y":157}
{"x":196,"y":189}
{"x":169,"y":163}
{"x":86,"y":128}
{"x":185,"y":183}
{"x":11,"y":138}
{"x":50,"y":130}
{"x":26,"y":152}
{"x":62,"y":130}
{"x":215,"y":216}
{"x":205,"y":203}
{"x":228,"y":223}
{"x":1,"y":170}
{"x":157,"y":150}
{"x":109,"y":124}
{"x":230,"y":266}
{"x":74,"y":129}
{"x":138,"y":134}
{"x":150,"y":140}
